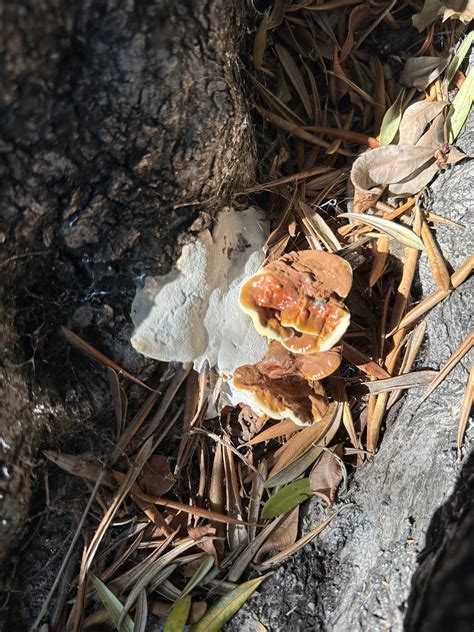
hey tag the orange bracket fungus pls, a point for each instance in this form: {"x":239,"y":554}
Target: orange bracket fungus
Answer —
{"x":297,"y":300}
{"x":285,"y":385}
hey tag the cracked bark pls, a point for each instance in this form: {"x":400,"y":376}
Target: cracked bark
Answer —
{"x":119,"y":122}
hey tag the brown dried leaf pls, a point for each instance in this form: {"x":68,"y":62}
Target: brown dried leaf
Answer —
{"x":87,"y":349}
{"x":301,"y":441}
{"x":337,"y":87}
{"x":415,"y":118}
{"x":396,"y":162}
{"x":438,"y":266}
{"x":156,"y":477}
{"x":455,"y":357}
{"x":363,"y":362}
{"x":198,"y":608}
{"x":466,"y":408}
{"x":173,"y":504}
{"x":388,"y":164}
{"x":358,"y":19}
{"x":327,"y":474}
{"x":260,"y":42}
{"x":294,"y":76}
{"x":79,"y":466}
{"x":284,"y":536}
{"x":250,"y":422}
{"x":415,"y":182}
{"x":428,"y":14}
{"x":301,"y":542}
{"x":421,"y":71}
{"x":407,"y":380}
{"x":205,"y":543}
{"x":423,"y":176}
{"x":284,"y":427}
{"x":381,"y":249}
{"x":434,"y":136}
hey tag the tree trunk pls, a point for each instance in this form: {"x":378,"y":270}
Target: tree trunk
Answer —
{"x":120,"y":122}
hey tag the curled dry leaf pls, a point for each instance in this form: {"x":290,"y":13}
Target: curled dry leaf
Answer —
{"x":359,"y":17}
{"x":428,"y":14}
{"x":297,"y":300}
{"x":404,"y":169}
{"x":415,"y":182}
{"x":419,"y":72}
{"x":434,"y":135}
{"x":423,"y":176}
{"x":156,"y":477}
{"x":458,"y":9}
{"x":250,"y":423}
{"x":403,"y":234}
{"x":389,"y":164}
{"x":284,"y":386}
{"x":416,"y":117}
{"x":327,"y":474}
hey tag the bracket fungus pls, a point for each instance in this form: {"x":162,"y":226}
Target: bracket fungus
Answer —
{"x":297,"y":300}
{"x":285,"y":385}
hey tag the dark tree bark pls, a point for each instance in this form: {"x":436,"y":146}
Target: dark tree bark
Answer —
{"x":120,"y":121}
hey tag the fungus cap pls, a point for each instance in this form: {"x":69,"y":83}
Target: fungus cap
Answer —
{"x":297,"y":300}
{"x":284,"y":385}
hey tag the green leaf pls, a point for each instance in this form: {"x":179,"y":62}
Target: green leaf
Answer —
{"x":113,"y":606}
{"x":391,"y":120}
{"x":402,"y":233}
{"x":460,"y":107}
{"x":198,"y":576}
{"x":176,"y":620}
{"x":152,"y":571}
{"x":462,"y":51}
{"x":286,"y":498}
{"x":225,"y":608}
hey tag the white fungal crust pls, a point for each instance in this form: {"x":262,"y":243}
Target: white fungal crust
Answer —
{"x":192,"y":314}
